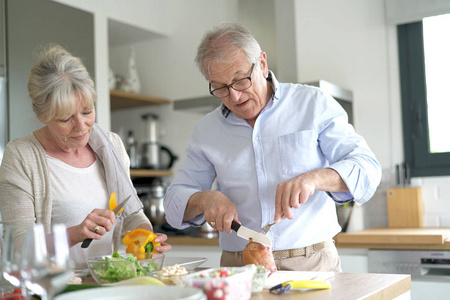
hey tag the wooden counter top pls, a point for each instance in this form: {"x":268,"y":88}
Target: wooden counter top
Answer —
{"x":186,"y":240}
{"x":344,"y":286}
{"x":349,"y":286}
{"x":374,"y":238}
{"x":396,"y":239}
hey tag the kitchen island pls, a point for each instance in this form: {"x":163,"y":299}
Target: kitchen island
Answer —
{"x":348,"y":286}
{"x":345,"y":286}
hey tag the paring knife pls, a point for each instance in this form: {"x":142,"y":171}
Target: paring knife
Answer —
{"x":247,"y":233}
{"x":116,"y":210}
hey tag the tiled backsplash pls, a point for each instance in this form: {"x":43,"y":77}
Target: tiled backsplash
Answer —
{"x":436,"y":203}
{"x":436,"y":200}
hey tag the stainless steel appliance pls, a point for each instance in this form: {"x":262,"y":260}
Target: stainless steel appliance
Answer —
{"x":152,"y":151}
{"x":153,"y":202}
{"x":208,"y":232}
{"x":421,"y":264}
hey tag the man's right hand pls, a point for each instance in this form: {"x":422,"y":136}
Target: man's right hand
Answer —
{"x":217,"y":209}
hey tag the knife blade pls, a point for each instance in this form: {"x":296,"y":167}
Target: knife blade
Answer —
{"x":116,"y":210}
{"x":122,"y":204}
{"x":247,"y":233}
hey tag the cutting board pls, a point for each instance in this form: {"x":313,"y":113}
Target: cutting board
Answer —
{"x":386,"y":235}
{"x":405,"y":207}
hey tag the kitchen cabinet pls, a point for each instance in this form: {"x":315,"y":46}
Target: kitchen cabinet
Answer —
{"x":421,"y":252}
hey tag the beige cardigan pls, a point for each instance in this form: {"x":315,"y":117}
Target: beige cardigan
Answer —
{"x":25,"y":187}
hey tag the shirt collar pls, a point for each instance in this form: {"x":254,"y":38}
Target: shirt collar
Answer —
{"x":276,"y":94}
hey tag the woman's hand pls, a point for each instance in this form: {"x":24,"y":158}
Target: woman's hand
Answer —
{"x":94,"y":226}
{"x":164,"y":246}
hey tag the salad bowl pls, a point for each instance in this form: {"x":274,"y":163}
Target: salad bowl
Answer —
{"x":120,"y":266}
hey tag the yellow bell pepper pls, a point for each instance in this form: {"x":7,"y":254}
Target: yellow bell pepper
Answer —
{"x":141,"y":241}
{"x":112,"y":202}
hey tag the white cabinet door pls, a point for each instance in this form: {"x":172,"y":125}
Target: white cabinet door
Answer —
{"x":354,"y":260}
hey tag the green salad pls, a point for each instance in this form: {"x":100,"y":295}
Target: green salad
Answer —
{"x":116,"y":268}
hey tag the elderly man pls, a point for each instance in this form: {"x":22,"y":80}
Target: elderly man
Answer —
{"x":280,"y":152}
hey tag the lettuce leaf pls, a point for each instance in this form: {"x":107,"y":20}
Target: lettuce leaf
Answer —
{"x":116,"y":269}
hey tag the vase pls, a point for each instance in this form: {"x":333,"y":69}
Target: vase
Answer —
{"x":112,"y":79}
{"x":134,"y":84}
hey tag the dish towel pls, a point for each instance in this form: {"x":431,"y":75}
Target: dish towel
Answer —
{"x":117,"y":178}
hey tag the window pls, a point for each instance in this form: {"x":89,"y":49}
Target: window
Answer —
{"x":424,"y":54}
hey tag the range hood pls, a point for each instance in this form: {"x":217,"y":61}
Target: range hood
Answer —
{"x":343,"y":96}
{"x":200,"y":105}
{"x":335,"y":91}
{"x":206,"y":104}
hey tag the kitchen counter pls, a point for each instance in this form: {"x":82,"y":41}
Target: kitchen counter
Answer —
{"x":345,"y":286}
{"x":396,"y":239}
{"x":186,"y":240}
{"x":374,"y":238}
{"x":348,"y":286}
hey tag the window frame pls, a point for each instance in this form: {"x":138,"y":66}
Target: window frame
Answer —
{"x":414,"y":105}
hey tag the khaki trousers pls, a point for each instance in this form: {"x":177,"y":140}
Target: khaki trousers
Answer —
{"x":325,"y":260}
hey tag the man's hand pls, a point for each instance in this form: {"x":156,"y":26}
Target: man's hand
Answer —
{"x":217,"y":209}
{"x":296,"y":191}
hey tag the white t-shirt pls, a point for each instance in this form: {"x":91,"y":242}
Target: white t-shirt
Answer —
{"x":76,"y":192}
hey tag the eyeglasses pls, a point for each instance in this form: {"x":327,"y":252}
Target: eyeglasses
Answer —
{"x":239,"y":85}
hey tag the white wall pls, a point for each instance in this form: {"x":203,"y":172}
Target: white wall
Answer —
{"x":347,"y":42}
{"x":405,"y":11}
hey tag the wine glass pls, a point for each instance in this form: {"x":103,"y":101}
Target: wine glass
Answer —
{"x":46,"y":266}
{"x":10,"y":260}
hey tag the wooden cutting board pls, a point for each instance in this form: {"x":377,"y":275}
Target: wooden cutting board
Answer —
{"x":405,"y":207}
{"x":418,"y":236}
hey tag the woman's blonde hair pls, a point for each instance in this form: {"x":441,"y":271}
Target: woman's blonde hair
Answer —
{"x":56,"y":81}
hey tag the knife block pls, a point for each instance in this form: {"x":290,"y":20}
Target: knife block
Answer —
{"x":405,"y":207}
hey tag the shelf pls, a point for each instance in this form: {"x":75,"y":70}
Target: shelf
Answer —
{"x":150,"y":173}
{"x":120,"y":34}
{"x":121,"y":100}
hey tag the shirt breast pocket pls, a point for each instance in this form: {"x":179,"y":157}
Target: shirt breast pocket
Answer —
{"x":300,"y":152}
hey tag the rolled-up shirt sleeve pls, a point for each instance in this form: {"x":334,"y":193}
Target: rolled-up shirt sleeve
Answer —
{"x":350,"y":156}
{"x":195,"y":175}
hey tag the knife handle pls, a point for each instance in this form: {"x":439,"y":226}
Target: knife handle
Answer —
{"x":235,"y":225}
{"x":86,"y":243}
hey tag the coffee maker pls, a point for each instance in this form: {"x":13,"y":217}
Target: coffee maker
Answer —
{"x":152,"y":151}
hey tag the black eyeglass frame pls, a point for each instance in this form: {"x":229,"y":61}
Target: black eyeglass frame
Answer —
{"x":231,"y":85}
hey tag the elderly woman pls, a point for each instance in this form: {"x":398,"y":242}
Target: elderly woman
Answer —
{"x":66,"y":171}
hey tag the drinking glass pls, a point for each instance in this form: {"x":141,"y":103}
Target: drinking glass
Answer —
{"x":46,"y":266}
{"x":10,"y":260}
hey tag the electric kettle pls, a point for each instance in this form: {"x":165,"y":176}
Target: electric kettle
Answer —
{"x":153,"y":203}
{"x":155,"y":156}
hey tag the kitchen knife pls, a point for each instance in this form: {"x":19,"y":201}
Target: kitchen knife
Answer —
{"x":398,"y":181}
{"x":407,"y":174}
{"x":247,"y":233}
{"x":116,"y":210}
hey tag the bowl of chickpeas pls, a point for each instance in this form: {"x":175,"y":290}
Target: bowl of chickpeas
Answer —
{"x":171,"y":275}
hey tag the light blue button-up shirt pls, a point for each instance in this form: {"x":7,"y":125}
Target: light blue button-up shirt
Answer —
{"x":300,"y":129}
